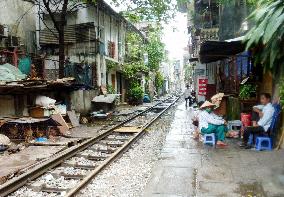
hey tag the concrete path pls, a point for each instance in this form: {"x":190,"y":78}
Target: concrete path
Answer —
{"x":187,"y":168}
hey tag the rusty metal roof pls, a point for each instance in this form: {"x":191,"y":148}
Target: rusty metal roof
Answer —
{"x":73,"y":33}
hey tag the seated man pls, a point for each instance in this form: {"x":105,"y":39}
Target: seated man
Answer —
{"x":209,"y":123}
{"x":261,"y":119}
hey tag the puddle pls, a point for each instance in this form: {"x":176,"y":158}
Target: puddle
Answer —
{"x":251,"y":190}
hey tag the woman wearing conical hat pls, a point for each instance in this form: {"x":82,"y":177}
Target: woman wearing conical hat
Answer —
{"x":210,"y":123}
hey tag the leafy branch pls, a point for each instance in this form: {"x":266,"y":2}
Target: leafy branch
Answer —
{"x":155,"y":49}
{"x":266,"y":37}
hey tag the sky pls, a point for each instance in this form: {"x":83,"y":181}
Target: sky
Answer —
{"x":175,"y":33}
{"x":175,"y":36}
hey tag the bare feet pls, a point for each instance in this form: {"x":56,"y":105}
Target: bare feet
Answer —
{"x":233,"y":134}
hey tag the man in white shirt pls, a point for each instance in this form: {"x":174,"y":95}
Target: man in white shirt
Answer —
{"x":261,"y":118}
{"x":187,"y":95}
{"x":209,"y":123}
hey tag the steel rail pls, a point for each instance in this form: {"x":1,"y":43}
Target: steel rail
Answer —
{"x":55,"y":160}
{"x":115,"y":155}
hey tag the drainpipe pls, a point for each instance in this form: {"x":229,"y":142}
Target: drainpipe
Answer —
{"x":98,"y":55}
{"x":38,"y":26}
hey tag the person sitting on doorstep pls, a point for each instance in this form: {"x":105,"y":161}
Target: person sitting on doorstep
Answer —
{"x":210,"y":123}
{"x":261,"y":119}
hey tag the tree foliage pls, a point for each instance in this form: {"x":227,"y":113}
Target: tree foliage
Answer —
{"x":266,"y":37}
{"x":249,"y":2}
{"x":134,"y":47}
{"x":134,"y":59}
{"x":132,"y":69}
{"x":188,"y":72}
{"x":149,"y":10}
{"x":136,"y":92}
{"x":159,"y":80}
{"x":155,"y":49}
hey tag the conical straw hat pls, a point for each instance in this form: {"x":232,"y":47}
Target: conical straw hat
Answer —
{"x":206,"y":104}
{"x":217,"y":96}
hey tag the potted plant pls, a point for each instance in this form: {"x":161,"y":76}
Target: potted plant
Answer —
{"x":135,"y":94}
{"x":247,"y":91}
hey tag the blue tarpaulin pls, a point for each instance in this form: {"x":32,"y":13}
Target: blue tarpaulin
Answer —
{"x":81,"y":72}
{"x":25,"y":65}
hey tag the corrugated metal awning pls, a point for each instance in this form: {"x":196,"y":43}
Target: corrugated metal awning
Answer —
{"x":73,"y":33}
{"x":212,"y":51}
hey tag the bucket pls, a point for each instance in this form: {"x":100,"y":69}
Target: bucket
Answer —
{"x":246,"y":119}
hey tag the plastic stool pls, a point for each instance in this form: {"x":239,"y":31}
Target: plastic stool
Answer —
{"x":234,"y":123}
{"x":263,"y":143}
{"x":209,"y":139}
{"x":250,"y":141}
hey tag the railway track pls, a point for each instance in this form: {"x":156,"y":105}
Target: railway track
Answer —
{"x":66,"y":173}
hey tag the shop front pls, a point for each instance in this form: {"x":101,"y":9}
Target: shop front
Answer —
{"x":237,"y":77}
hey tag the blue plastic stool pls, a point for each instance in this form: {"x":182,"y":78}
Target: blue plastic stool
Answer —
{"x":263,"y":143}
{"x":210,"y":139}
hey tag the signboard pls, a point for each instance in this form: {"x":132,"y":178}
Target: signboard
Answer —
{"x":202,"y":86}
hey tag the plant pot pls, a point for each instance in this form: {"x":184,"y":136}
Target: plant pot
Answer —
{"x":133,"y":101}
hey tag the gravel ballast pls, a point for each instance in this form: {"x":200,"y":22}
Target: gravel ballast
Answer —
{"x":129,"y":175}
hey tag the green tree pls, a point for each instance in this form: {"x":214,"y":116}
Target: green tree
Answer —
{"x":149,"y":10}
{"x":155,"y":49}
{"x":159,"y":81}
{"x":266,"y":37}
{"x":188,"y":72}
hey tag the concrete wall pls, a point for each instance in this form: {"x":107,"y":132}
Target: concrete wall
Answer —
{"x":20,"y":18}
{"x":267,"y":84}
{"x":110,"y":79}
{"x":13,"y":105}
{"x":81,"y":100}
{"x":7,"y":106}
{"x":110,"y":30}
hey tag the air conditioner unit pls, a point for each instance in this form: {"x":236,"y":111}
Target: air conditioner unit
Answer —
{"x":6,"y":31}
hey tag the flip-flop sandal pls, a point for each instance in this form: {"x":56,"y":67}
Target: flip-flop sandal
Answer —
{"x":222,"y":145}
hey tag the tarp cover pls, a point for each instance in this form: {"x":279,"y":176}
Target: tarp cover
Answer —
{"x":212,"y":51}
{"x":9,"y":72}
{"x":109,"y":98}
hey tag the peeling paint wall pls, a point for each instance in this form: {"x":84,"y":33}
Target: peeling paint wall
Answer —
{"x":81,"y":100}
{"x":13,"y":105}
{"x":7,"y":106}
{"x":110,"y":29}
{"x":19,"y":16}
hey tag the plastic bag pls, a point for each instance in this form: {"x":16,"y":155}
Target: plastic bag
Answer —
{"x":45,"y":101}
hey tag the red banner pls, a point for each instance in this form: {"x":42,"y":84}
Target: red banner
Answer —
{"x":202,"y":87}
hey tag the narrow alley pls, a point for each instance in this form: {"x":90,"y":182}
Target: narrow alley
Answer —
{"x":168,"y":162}
{"x":186,"y":167}
{"x":141,"y":98}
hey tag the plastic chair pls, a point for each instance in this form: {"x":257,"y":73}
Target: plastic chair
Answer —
{"x":210,"y":139}
{"x":263,"y":143}
{"x":234,"y":123}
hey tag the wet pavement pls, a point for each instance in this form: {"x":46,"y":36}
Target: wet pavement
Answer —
{"x":188,"y":168}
